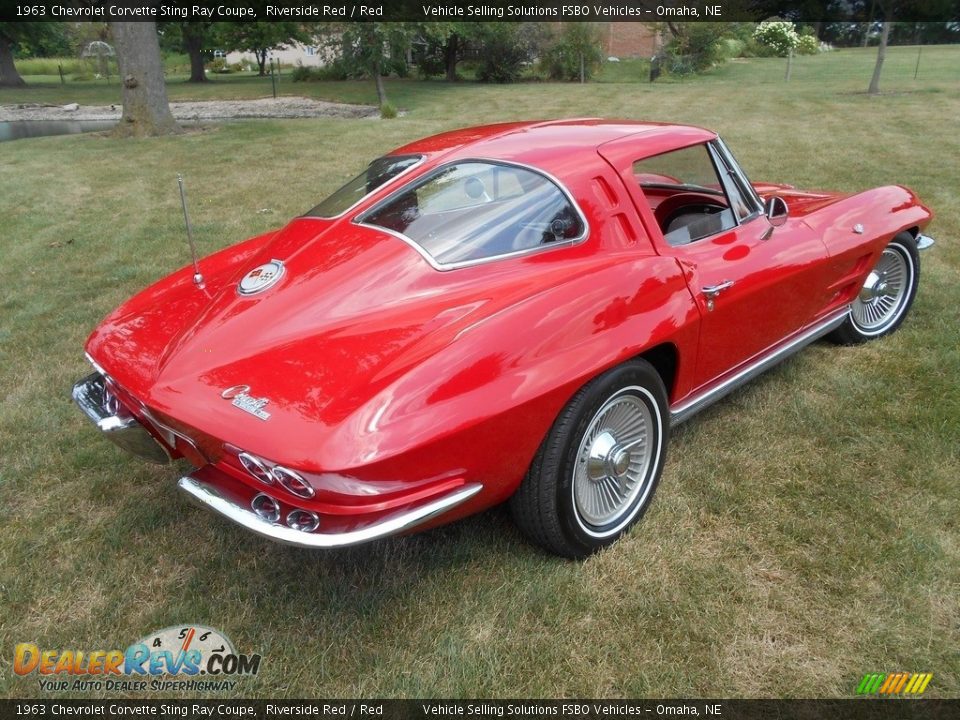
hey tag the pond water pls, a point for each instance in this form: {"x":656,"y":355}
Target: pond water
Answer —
{"x":19,"y":129}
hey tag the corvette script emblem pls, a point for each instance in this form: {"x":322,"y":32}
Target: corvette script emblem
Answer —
{"x":239,"y":398}
{"x":260,"y":278}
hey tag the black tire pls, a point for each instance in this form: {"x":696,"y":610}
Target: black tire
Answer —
{"x":875,"y":313}
{"x":560,"y":503}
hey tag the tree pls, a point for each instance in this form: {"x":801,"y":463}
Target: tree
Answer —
{"x":370,"y":47}
{"x":146,"y":110}
{"x":576,"y":54}
{"x":33,"y":35}
{"x":192,"y":38}
{"x":874,"y":88}
{"x":507,"y":48}
{"x":261,"y":37}
{"x":446,"y":45}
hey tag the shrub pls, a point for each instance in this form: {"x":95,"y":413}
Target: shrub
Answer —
{"x":779,"y":35}
{"x":732,"y":48}
{"x":698,"y":48}
{"x":388,"y":111}
{"x":302,"y":73}
{"x":808,"y":45}
{"x":219,"y":66}
{"x":507,"y":49}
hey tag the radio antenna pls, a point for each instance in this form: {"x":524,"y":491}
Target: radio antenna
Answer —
{"x":197,"y":277}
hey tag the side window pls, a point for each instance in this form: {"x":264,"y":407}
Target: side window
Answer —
{"x":687,"y":195}
{"x":473,"y":210}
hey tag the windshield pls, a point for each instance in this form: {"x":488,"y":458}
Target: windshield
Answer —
{"x":380,"y":171}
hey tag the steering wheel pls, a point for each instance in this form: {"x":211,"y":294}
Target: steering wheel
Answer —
{"x":687,"y":204}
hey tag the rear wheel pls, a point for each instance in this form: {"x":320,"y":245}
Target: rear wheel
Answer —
{"x":597,"y":469}
{"x":886,"y":295}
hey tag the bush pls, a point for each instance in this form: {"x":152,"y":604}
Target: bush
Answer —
{"x":808,"y":45}
{"x":699,"y":48}
{"x":507,"y":49}
{"x":732,"y":48}
{"x":779,"y":35}
{"x":388,"y":111}
{"x":219,"y":66}
{"x":336,"y":70}
{"x":301,"y":73}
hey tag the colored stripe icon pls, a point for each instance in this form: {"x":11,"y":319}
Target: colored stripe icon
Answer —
{"x":894,"y":683}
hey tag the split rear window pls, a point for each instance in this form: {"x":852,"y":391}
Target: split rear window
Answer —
{"x":379,"y":172}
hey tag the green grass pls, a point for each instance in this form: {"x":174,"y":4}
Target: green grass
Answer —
{"x":805,"y":531}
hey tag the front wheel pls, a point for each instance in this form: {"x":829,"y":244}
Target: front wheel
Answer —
{"x":597,"y":469}
{"x":886,"y":295}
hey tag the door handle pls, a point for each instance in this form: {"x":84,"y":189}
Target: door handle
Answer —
{"x":711,"y":291}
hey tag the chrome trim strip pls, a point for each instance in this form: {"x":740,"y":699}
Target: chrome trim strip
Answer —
{"x":442,"y":267}
{"x":685,"y":410}
{"x":120,"y":428}
{"x":208,"y":495}
{"x":924,"y":242}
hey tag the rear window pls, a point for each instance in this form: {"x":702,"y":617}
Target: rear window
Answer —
{"x":380,"y":171}
{"x":474,"y":210}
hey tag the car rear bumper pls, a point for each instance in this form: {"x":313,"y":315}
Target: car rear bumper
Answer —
{"x":115,"y":421}
{"x":203,"y":487}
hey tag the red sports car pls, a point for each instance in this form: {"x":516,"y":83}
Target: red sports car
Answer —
{"x":511,"y":312}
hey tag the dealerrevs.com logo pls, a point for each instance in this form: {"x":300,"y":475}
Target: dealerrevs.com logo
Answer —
{"x":190,"y":658}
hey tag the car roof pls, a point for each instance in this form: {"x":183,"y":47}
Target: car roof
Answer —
{"x":554,"y":144}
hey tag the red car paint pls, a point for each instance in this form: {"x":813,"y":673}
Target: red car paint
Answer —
{"x":391,"y":382}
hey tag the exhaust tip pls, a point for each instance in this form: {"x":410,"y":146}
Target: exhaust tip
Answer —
{"x":303,"y":520}
{"x":266,"y":507}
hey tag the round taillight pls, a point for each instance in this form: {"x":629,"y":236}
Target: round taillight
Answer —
{"x":292,"y":481}
{"x":303,"y":520}
{"x":266,"y":507}
{"x":256,"y":467}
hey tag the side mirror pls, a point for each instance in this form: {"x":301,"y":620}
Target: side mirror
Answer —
{"x":776,"y":210}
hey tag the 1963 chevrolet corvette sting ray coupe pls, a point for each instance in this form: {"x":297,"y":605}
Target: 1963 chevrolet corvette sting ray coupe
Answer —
{"x":515,"y":312}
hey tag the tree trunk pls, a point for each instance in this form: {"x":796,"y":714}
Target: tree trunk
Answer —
{"x":866,"y":30}
{"x":146,"y":110}
{"x":9,"y":77}
{"x":450,"y":57}
{"x":381,"y":90}
{"x":881,"y":54}
{"x":261,"y":55}
{"x":193,"y":44}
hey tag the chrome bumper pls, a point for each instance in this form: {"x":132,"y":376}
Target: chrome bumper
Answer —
{"x":116,"y":423}
{"x":924,"y":242}
{"x":207,"y":495}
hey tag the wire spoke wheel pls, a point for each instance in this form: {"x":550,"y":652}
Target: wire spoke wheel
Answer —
{"x":885,"y":293}
{"x":597,"y":469}
{"x":613,"y":460}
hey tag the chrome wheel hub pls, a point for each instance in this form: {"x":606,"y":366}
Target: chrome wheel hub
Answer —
{"x":884,"y":293}
{"x":613,"y":460}
{"x":607,"y":459}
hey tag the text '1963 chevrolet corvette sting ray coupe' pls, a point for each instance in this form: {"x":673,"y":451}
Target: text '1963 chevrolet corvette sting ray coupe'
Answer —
{"x":511,"y":312}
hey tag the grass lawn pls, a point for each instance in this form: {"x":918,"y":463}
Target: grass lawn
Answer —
{"x":805,"y":531}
